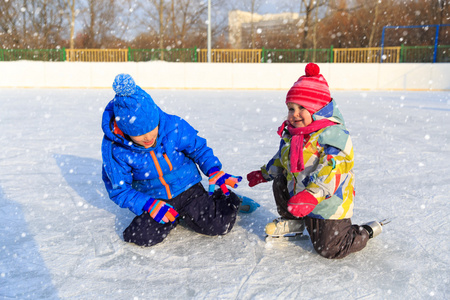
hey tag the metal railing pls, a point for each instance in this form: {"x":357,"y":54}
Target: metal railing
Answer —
{"x":424,"y":54}
{"x":400,"y":54}
{"x":231,"y":55}
{"x":97,"y":55}
{"x":297,"y":55}
{"x":171,"y":55}
{"x":367,"y":55}
{"x":32,"y":54}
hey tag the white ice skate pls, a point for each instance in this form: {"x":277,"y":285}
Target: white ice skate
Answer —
{"x":284,"y":228}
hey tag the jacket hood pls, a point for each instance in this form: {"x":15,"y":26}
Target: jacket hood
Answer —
{"x":330,"y":112}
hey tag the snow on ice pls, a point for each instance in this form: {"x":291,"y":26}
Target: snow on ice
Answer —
{"x":61,"y":235}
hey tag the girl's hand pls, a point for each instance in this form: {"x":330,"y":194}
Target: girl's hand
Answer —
{"x":255,"y":178}
{"x":302,"y":204}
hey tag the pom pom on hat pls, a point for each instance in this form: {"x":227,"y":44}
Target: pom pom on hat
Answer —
{"x":135,"y":111}
{"x":124,"y":85}
{"x":312,"y":69}
{"x":311,"y":90}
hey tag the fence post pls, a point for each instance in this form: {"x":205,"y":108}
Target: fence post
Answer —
{"x":64,"y":54}
{"x":129,"y":54}
{"x":192,"y":54}
{"x":402,"y":52}
{"x":331,"y":54}
{"x":263,"y":55}
{"x":436,"y":41}
{"x":2,"y":58}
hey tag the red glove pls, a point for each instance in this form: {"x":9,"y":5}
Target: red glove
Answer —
{"x":255,"y":178}
{"x":302,"y":204}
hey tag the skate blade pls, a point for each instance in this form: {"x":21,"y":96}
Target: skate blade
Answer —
{"x":384,"y":222}
{"x":294,"y":236}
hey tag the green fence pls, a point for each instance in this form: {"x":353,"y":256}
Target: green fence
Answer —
{"x":171,"y":55}
{"x":418,"y":54}
{"x":32,"y":54}
{"x":408,"y":54}
{"x":297,"y":55}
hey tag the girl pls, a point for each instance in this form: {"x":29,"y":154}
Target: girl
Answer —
{"x":312,"y":172}
{"x":150,"y":162}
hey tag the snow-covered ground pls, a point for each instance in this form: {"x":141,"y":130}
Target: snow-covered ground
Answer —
{"x":61,"y":236}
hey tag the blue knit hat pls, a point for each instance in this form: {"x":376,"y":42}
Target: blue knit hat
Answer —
{"x":134,"y":109}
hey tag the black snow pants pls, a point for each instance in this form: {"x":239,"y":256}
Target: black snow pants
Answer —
{"x":210,"y":215}
{"x":330,"y":238}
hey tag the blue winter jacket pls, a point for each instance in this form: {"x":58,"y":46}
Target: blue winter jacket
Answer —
{"x":133,"y":174}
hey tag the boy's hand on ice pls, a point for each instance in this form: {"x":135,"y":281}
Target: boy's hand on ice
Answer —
{"x":255,"y":178}
{"x":302,"y":204}
{"x":160,"y":211}
{"x":222,"y":179}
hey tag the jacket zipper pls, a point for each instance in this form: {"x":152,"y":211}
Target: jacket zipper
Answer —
{"x":160,"y":172}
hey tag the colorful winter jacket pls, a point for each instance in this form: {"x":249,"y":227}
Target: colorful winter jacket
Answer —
{"x":328,"y":161}
{"x":133,"y":174}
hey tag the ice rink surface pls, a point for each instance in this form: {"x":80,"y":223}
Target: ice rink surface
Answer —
{"x":61,"y":236}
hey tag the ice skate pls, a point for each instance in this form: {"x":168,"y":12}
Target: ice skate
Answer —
{"x":285,"y":229}
{"x":247,"y":205}
{"x":374,"y":228}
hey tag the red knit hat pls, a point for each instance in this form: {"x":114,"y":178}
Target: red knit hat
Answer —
{"x":311,"y":90}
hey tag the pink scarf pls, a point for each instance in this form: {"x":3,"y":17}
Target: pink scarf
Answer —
{"x":298,"y":135}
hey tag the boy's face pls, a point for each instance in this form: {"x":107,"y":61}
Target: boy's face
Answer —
{"x":147,"y":140}
{"x":298,"y":116}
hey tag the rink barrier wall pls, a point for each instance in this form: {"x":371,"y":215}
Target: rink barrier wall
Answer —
{"x":167,"y":75}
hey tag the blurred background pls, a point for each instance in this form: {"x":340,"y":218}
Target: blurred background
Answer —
{"x":235,"y":24}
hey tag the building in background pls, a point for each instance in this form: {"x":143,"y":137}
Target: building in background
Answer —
{"x":269,"y":30}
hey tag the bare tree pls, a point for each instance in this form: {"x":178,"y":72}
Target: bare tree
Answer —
{"x":174,"y":23}
{"x":10,"y":19}
{"x":365,"y":18}
{"x":376,"y":14}
{"x":187,"y":17}
{"x":443,"y":10}
{"x":155,"y":19}
{"x":307,"y":7}
{"x":162,"y":23}
{"x":181,"y":23}
{"x":252,"y":6}
{"x":316,"y":21}
{"x":45,"y":23}
{"x":71,"y":13}
{"x":102,"y":24}
{"x":219,"y":26}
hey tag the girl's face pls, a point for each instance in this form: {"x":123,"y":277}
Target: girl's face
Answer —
{"x":147,"y":140}
{"x":298,"y":116}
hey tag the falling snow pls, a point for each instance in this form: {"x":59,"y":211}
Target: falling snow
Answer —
{"x":61,"y":235}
